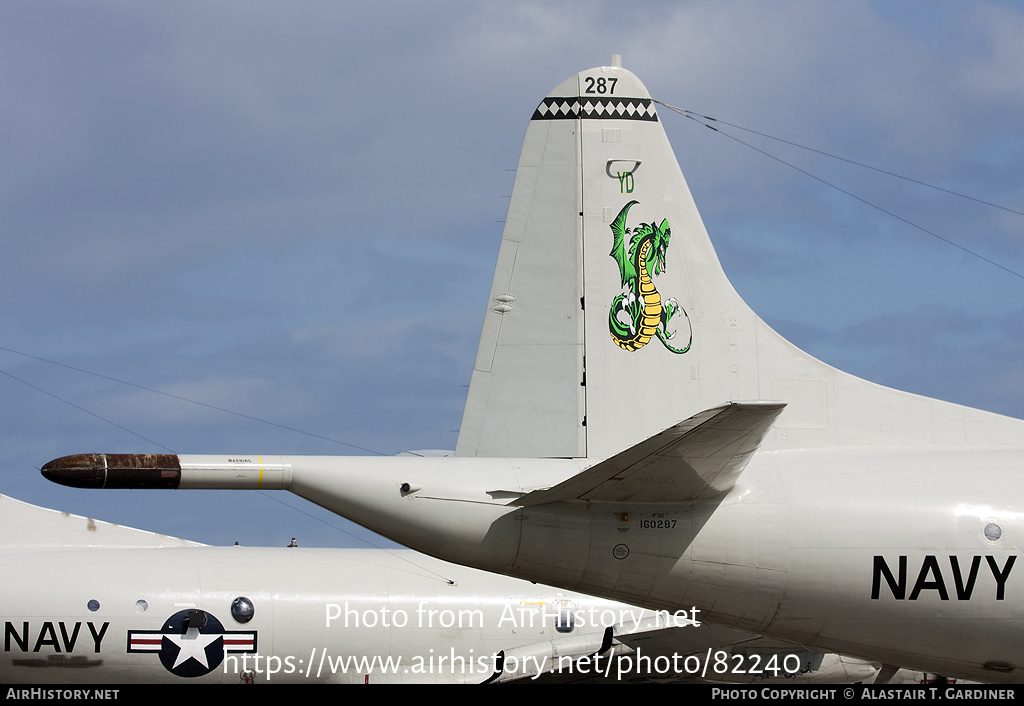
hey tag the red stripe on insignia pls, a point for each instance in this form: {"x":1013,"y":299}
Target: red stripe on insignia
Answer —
{"x":245,"y":641}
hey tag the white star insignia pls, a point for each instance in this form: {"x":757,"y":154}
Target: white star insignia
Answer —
{"x":192,"y":645}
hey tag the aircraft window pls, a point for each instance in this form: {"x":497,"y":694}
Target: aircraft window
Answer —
{"x":141,"y":605}
{"x":993,"y":532}
{"x":242,"y":610}
{"x":93,"y":605}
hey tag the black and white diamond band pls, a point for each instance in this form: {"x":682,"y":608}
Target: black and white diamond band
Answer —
{"x":571,"y":108}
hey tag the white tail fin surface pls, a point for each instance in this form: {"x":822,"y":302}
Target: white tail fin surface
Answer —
{"x":610,"y":318}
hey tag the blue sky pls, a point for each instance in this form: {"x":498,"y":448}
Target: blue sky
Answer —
{"x":293,"y":211}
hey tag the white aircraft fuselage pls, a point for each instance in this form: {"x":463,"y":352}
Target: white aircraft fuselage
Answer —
{"x":806,"y":547}
{"x":90,"y":602}
{"x":634,"y":431}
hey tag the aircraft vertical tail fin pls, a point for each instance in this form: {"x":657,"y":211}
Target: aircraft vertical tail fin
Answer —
{"x":610,"y":318}
{"x":527,"y":391}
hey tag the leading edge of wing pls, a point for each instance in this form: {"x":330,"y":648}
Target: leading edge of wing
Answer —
{"x":29,"y":527}
{"x":697,"y":459}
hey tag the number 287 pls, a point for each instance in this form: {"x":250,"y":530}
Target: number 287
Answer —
{"x":600,"y":85}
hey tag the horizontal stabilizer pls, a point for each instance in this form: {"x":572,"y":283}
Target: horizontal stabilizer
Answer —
{"x":697,"y":459}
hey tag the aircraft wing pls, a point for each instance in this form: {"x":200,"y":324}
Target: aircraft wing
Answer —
{"x":24,"y":525}
{"x":696,"y":459}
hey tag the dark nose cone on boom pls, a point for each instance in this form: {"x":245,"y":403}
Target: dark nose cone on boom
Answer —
{"x":115,"y":471}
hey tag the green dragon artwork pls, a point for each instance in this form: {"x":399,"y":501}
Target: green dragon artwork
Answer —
{"x":638,"y":313}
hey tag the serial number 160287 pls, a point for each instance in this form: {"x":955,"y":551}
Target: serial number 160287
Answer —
{"x":657,"y":524}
